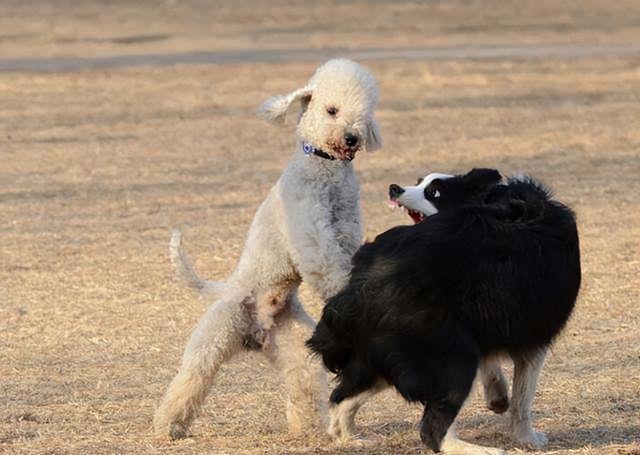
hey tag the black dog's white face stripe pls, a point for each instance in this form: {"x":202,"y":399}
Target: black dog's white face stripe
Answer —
{"x":413,"y":197}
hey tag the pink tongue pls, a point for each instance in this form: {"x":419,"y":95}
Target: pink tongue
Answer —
{"x":393,"y":203}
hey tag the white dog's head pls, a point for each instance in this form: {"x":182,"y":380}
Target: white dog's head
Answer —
{"x":336,"y":110}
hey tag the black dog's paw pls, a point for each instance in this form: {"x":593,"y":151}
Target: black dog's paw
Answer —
{"x":499,"y":405}
{"x":430,"y":439}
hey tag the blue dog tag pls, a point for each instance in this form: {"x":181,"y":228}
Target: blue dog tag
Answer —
{"x":307,"y":149}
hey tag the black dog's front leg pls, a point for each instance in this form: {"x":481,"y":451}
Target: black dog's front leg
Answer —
{"x":436,"y":420}
{"x":453,"y":381}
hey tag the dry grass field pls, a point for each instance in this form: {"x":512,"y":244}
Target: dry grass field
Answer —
{"x":97,"y":166}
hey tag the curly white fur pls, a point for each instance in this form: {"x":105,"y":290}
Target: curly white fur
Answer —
{"x":307,"y":229}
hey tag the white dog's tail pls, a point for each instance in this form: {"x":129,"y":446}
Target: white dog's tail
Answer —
{"x":184,"y":270}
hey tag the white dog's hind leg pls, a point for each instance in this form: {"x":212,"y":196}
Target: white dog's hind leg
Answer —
{"x":525,"y":380}
{"x":218,"y":335}
{"x":304,"y":377}
{"x":496,"y":389}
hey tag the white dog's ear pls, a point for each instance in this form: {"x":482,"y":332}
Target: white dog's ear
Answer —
{"x":275,"y":109}
{"x":374,"y":139}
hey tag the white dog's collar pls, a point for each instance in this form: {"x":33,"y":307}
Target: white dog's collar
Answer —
{"x":309,"y":149}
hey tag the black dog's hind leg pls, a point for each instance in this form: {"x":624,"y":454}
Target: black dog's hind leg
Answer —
{"x":357,"y":384}
{"x":342,"y":415}
{"x":356,"y":377}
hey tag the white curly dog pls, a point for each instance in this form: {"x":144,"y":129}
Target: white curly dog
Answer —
{"x":307,"y":229}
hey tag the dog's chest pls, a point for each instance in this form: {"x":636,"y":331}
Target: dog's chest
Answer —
{"x":334,"y":208}
{"x":335,"y":197}
{"x":330,"y":194}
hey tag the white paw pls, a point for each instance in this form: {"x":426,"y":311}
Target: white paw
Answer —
{"x":533,"y":439}
{"x":357,"y":440}
{"x":455,"y":446}
{"x":474,"y":450}
{"x":333,"y":431}
{"x":178,"y":430}
{"x":490,"y":451}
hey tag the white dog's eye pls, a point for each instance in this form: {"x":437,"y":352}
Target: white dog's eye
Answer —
{"x":436,"y":194}
{"x":332,"y":111}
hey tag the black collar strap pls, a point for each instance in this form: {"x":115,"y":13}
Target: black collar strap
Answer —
{"x":309,"y":149}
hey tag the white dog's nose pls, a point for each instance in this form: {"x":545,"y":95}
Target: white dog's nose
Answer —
{"x":350,"y":139}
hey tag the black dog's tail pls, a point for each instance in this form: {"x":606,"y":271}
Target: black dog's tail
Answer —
{"x":333,"y":336}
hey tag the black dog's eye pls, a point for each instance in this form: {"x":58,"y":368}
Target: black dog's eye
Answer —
{"x":420,"y":179}
{"x":332,"y":111}
{"x":432,"y":191}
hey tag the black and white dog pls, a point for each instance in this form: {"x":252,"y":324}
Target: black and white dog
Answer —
{"x":489,"y":268}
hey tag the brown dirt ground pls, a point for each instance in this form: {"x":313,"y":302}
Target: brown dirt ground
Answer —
{"x":96,"y":167}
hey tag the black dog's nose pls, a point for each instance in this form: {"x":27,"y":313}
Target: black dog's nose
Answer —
{"x":395,"y":191}
{"x":350,"y":139}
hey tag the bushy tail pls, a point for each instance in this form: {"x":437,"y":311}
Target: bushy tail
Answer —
{"x":333,"y":337}
{"x":185,"y":271}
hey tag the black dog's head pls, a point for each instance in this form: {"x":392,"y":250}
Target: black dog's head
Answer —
{"x":437,"y":192}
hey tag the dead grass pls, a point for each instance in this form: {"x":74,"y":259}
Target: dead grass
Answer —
{"x":97,"y":167}
{"x":66,"y":28}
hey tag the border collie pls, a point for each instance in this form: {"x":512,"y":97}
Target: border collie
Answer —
{"x":488,"y":269}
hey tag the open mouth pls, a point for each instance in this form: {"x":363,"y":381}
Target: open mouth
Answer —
{"x":349,"y":154}
{"x":342,"y":152}
{"x":415,"y":215}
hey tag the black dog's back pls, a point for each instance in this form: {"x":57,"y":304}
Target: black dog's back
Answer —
{"x":521,"y":267}
{"x":509,"y":269}
{"x":426,"y":302}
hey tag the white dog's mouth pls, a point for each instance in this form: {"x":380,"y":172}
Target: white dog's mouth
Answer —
{"x":342,"y":153}
{"x":415,"y":215}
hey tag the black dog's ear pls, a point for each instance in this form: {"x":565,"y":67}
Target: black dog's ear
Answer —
{"x":480,"y":177}
{"x":435,"y":184}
